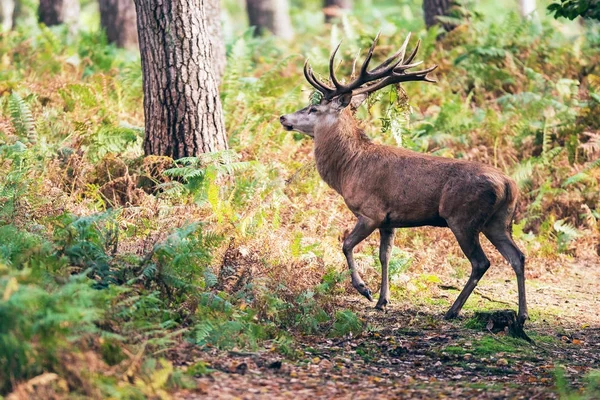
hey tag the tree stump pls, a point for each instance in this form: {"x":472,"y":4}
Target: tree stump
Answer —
{"x":502,"y":320}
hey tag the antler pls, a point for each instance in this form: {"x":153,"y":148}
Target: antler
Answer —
{"x":393,"y":70}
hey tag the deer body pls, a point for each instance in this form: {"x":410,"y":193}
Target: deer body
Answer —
{"x":388,"y":187}
{"x":401,"y":188}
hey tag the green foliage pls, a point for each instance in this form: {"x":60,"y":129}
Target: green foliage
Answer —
{"x":345,"y":323}
{"x":199,"y":368}
{"x":177,"y":264}
{"x":222,"y":325}
{"x":571,"y":9}
{"x":591,"y":389}
{"x":21,"y":249}
{"x":115,"y":140}
{"x":40,"y":321}
{"x":566,"y":233}
{"x":89,"y":243}
{"x":22,"y":118}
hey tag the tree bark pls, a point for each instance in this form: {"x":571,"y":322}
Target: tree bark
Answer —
{"x":434,"y":8}
{"x":334,"y":9}
{"x":527,"y":8}
{"x":270,"y":15}
{"x":118,"y":19}
{"x":6,"y":13}
{"x":215,"y":31}
{"x":183,"y":113}
{"x":56,"y":12}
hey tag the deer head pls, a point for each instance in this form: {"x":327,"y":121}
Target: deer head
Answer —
{"x":336,"y":99}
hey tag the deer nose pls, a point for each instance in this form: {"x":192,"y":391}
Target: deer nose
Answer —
{"x":282,"y":118}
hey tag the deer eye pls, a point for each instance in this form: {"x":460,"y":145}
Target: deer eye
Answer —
{"x":312,"y":110}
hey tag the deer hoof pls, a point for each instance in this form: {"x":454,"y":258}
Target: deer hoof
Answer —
{"x":364,"y":290}
{"x":381,"y":307}
{"x":367,"y":293}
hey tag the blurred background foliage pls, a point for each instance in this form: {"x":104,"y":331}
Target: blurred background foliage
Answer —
{"x":108,"y":259}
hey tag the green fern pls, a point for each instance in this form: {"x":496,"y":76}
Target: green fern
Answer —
{"x":22,"y":118}
{"x":346,"y":323}
{"x":583,"y":175}
{"x":114,"y":139}
{"x":566,"y":233}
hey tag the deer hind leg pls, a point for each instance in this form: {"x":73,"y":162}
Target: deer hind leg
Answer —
{"x":499,"y":233}
{"x":468,"y":239}
{"x":364,"y":227}
{"x":385,"y":250}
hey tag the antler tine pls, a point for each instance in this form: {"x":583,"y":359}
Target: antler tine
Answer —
{"x":334,"y":80}
{"x":414,"y":53}
{"x":353,"y":73}
{"x":400,"y":53}
{"x":310,"y":77}
{"x":404,"y":67}
{"x":365,"y":66}
{"x":397,"y":78}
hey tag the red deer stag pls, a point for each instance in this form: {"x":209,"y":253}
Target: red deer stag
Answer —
{"x":388,"y":187}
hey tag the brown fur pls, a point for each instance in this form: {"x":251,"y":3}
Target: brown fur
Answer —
{"x":419,"y":189}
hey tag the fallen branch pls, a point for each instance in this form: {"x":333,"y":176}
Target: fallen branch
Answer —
{"x":490,"y":299}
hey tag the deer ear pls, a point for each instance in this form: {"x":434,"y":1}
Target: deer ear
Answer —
{"x":343,"y":100}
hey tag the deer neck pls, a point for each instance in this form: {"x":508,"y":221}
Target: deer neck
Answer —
{"x":338,"y":144}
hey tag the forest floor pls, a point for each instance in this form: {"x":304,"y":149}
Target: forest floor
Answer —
{"x":411,"y":352}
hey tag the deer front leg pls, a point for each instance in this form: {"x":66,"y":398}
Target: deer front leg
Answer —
{"x":385,"y":250}
{"x":364,"y":227}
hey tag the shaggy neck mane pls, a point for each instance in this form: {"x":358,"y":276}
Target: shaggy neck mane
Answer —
{"x":338,"y":143}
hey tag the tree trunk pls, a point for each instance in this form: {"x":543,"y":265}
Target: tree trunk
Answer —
{"x":182,"y":107}
{"x":334,"y":9}
{"x":56,"y":12}
{"x":6,"y":12}
{"x":527,"y":8}
{"x":434,"y":8}
{"x":20,"y":13}
{"x":270,"y":15}
{"x":213,"y":19}
{"x":117,"y":17}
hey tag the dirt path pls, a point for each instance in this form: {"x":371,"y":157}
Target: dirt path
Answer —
{"x":410,"y":352}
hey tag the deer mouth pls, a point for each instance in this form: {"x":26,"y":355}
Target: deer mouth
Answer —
{"x":287,"y":127}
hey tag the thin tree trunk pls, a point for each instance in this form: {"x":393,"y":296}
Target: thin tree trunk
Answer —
{"x":182,"y":107}
{"x":117,"y":17}
{"x":334,"y":9}
{"x":270,"y":15}
{"x":527,"y":8}
{"x":19,"y":12}
{"x":56,"y":12}
{"x":433,"y":9}
{"x":6,"y":12}
{"x":213,"y":19}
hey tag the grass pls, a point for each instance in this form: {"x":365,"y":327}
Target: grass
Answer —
{"x":488,"y":345}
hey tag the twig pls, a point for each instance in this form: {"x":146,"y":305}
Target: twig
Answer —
{"x":242,"y":354}
{"x":494,"y":336}
{"x":490,"y":299}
